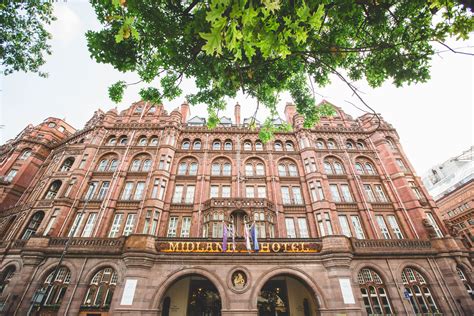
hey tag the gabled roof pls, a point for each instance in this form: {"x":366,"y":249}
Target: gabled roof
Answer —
{"x":196,"y":120}
{"x":225,"y":121}
{"x":249,"y":119}
{"x":278,"y":121}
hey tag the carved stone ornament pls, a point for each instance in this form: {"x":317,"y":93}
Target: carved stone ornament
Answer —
{"x":239,"y":280}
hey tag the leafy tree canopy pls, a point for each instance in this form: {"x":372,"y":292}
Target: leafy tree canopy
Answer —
{"x":23,"y":37}
{"x":264,"y":47}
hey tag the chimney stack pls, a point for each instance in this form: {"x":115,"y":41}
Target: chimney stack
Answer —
{"x":184,"y":111}
{"x":237,"y":114}
{"x":290,"y":111}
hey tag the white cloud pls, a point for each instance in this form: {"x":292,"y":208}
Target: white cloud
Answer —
{"x":68,"y":24}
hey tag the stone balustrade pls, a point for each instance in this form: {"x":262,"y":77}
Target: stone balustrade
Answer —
{"x":238,"y":203}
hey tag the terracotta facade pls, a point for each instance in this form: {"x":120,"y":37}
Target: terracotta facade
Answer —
{"x":139,"y":200}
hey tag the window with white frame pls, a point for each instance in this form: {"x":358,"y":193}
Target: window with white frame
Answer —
{"x":415,"y":189}
{"x":116,"y":225}
{"x":290,"y":227}
{"x":172,"y":226}
{"x":418,"y":292}
{"x":158,"y":191}
{"x":303,"y":227}
{"x":104,"y":188}
{"x":127,"y":190}
{"x":392,"y":221}
{"x":140,"y":188}
{"x":345,"y":228}
{"x":369,"y":193}
{"x":151,"y":222}
{"x":383,"y":227}
{"x":74,"y":231}
{"x":129,"y":224}
{"x":51,"y":222}
{"x":89,"y":226}
{"x":380,"y":193}
{"x":433,"y":223}
{"x":346,"y":193}
{"x":324,"y":224}
{"x":359,"y":231}
{"x":91,"y":190}
{"x":185,"y":226}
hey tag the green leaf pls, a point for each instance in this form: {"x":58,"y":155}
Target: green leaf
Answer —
{"x":116,"y":91}
{"x":213,"y":42}
{"x":316,"y":18}
{"x":272,"y":5}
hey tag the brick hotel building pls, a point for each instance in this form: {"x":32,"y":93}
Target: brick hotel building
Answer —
{"x":126,"y":216}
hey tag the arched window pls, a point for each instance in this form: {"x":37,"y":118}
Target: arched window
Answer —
{"x":390,"y":143}
{"x":331,"y":144}
{"x":113,"y":165}
{"x":228,"y":145}
{"x":464,"y":280}
{"x":33,"y":225}
{"x":185,"y":145}
{"x":112,"y":141}
{"x":57,"y":287}
{"x":154,"y":141}
{"x":254,"y":167}
{"x":216,"y":145}
{"x":278,"y":146}
{"x":374,"y":293}
{"x":25,"y":154}
{"x":227,"y":169}
{"x":102,"y":165}
{"x":142,"y":141}
{"x":369,"y":168}
{"x":188,"y":167}
{"x":152,"y":110}
{"x":247,"y":145}
{"x":333,"y":165}
{"x":101,"y":289}
{"x":5,"y":278}
{"x":135,"y":165}
{"x":221,"y":167}
{"x":53,"y":190}
{"x":338,"y":168}
{"x":287,"y":168}
{"x":418,"y":292}
{"x":349,"y":144}
{"x":327,"y":168}
{"x":320,"y":144}
{"x":258,"y":146}
{"x":146,"y":165}
{"x":123,"y":140}
{"x":197,"y":145}
{"x":359,"y":169}
{"x":67,"y":164}
{"x":360,"y":144}
{"x":289,"y":146}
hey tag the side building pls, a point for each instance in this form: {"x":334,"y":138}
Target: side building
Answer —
{"x":127,"y":217}
{"x":451,"y":184}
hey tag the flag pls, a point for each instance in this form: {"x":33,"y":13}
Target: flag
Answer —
{"x":224,"y":238}
{"x":247,"y":238}
{"x":233,"y":237}
{"x":254,"y":237}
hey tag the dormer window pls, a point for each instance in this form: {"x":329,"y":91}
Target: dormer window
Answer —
{"x":51,"y":124}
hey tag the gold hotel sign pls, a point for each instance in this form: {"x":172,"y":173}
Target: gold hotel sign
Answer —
{"x":216,"y":247}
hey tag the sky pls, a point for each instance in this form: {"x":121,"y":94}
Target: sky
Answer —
{"x":434,"y":119}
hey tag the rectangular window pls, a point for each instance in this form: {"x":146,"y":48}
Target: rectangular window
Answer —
{"x":319,"y":188}
{"x":261,"y":192}
{"x":249,"y":191}
{"x":156,"y":188}
{"x":346,"y":193}
{"x":51,"y":222}
{"x":161,"y":195}
{"x":217,"y":229}
{"x":383,"y":227}
{"x":129,"y":224}
{"x":189,"y":194}
{"x":127,"y":191}
{"x":151,"y":222}
{"x":89,"y":226}
{"x":186,"y":226}
{"x":359,"y":232}
{"x":226,"y":191}
{"x":297,"y":198}
{"x":139,"y":190}
{"x":91,"y":190}
{"x":312,"y":164}
{"x":11,"y":174}
{"x":172,"y":226}
{"x":319,"y":219}
{"x":307,"y":168}
{"x":303,"y":227}
{"x":103,"y":190}
{"x":369,"y":193}
{"x":345,"y":228}
{"x":380,"y":193}
{"x":290,"y":227}
{"x":335,"y":193}
{"x":74,"y":232}
{"x":69,"y":187}
{"x":214,"y":191}
{"x":168,"y":163}
{"x":432,"y":221}
{"x":327,"y":220}
{"x":392,"y":221}
{"x":285,"y":195}
{"x":415,"y":190}
{"x":83,"y":161}
{"x":401,"y":165}
{"x":116,"y":224}
{"x":312,"y":190}
{"x":178,"y":194}
{"x":161,"y":165}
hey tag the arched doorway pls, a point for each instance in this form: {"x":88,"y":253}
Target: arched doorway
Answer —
{"x":285,"y":295}
{"x":238,"y":218}
{"x":192,"y":295}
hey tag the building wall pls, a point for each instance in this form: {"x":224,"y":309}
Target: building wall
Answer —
{"x":131,"y":249}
